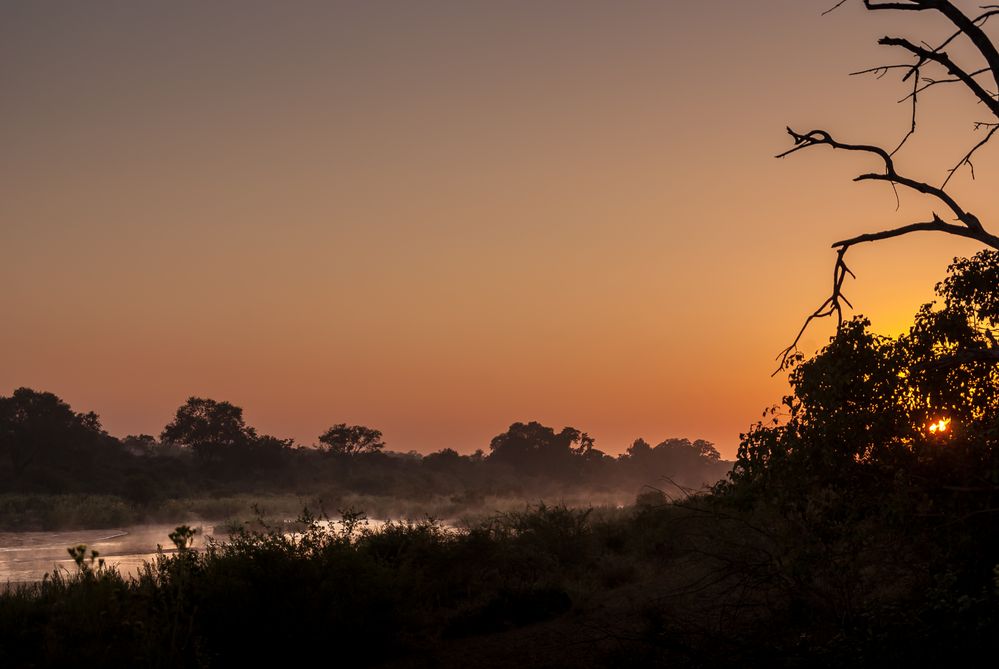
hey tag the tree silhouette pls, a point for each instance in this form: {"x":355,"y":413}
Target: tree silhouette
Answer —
{"x":40,"y":433}
{"x":343,"y":439}
{"x":928,"y":66}
{"x":209,"y":428}
{"x":538,"y":449}
{"x":917,"y":414}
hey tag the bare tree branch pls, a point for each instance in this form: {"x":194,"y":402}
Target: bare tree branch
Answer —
{"x":978,"y":20}
{"x":929,"y":82}
{"x":914,"y":6}
{"x":945,"y":61}
{"x":834,"y":7}
{"x":973,"y":30}
{"x":832,"y":305}
{"x":936,"y":225}
{"x":967,"y":157}
{"x":882,"y":70}
{"x":914,"y":95}
{"x":966,"y":224}
{"x":821,"y":137}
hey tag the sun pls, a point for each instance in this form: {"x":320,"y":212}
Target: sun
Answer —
{"x":939,"y":426}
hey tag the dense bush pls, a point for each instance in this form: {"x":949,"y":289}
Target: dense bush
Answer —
{"x":877,"y":478}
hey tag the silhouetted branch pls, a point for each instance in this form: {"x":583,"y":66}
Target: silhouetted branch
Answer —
{"x":972,"y":28}
{"x":914,"y":6}
{"x":882,"y":70}
{"x":828,"y":308}
{"x":833,"y":304}
{"x":967,"y":224}
{"x":929,"y":82}
{"x":834,"y":7}
{"x":936,"y":225}
{"x":967,"y":158}
{"x":945,"y":61}
{"x":821,"y":137}
{"x":914,"y":95}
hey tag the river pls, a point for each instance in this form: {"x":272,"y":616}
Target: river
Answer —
{"x":26,"y":557}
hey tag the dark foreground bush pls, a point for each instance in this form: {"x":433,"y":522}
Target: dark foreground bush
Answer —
{"x":701,"y":582}
{"x":338,"y":588}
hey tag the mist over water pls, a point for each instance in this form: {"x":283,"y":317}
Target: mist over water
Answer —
{"x":27,"y":556}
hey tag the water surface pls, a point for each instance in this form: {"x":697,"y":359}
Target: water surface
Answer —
{"x":27,"y":556}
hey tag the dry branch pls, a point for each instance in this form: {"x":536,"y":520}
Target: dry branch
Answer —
{"x":965,"y":223}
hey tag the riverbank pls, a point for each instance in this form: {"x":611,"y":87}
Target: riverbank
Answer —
{"x":50,"y":513}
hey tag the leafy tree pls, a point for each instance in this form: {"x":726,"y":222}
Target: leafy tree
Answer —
{"x":209,"y":428}
{"x":350,"y":440}
{"x":920,"y":410}
{"x":539,"y":449}
{"x":41,"y":434}
{"x":693,"y":463}
{"x":876,"y":479}
{"x":639,"y":449}
{"x":707,"y":450}
{"x":140,"y":444}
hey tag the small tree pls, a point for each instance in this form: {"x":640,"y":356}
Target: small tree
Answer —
{"x":350,"y":440}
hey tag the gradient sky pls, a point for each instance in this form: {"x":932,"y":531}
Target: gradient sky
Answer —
{"x":438,"y":218}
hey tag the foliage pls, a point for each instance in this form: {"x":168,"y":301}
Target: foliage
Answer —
{"x":875,"y":480}
{"x":40,"y":433}
{"x":208,"y":450}
{"x":535,"y":449}
{"x":208,"y":427}
{"x":343,"y":439}
{"x":254,"y":597}
{"x":866,"y":409}
{"x":694,"y":583}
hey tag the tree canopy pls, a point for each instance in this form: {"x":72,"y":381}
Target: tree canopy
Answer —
{"x":350,"y":440}
{"x":870,"y":410}
{"x":40,"y":436}
{"x":209,"y":427}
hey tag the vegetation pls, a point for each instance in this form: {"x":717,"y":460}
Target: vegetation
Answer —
{"x":343,"y":439}
{"x":60,"y":469}
{"x":884,"y":464}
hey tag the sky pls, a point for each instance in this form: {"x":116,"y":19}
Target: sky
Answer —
{"x":438,"y":218}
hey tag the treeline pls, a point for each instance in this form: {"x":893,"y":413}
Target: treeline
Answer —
{"x":46,"y":447}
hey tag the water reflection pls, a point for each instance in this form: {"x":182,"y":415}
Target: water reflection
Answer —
{"x":27,"y":556}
